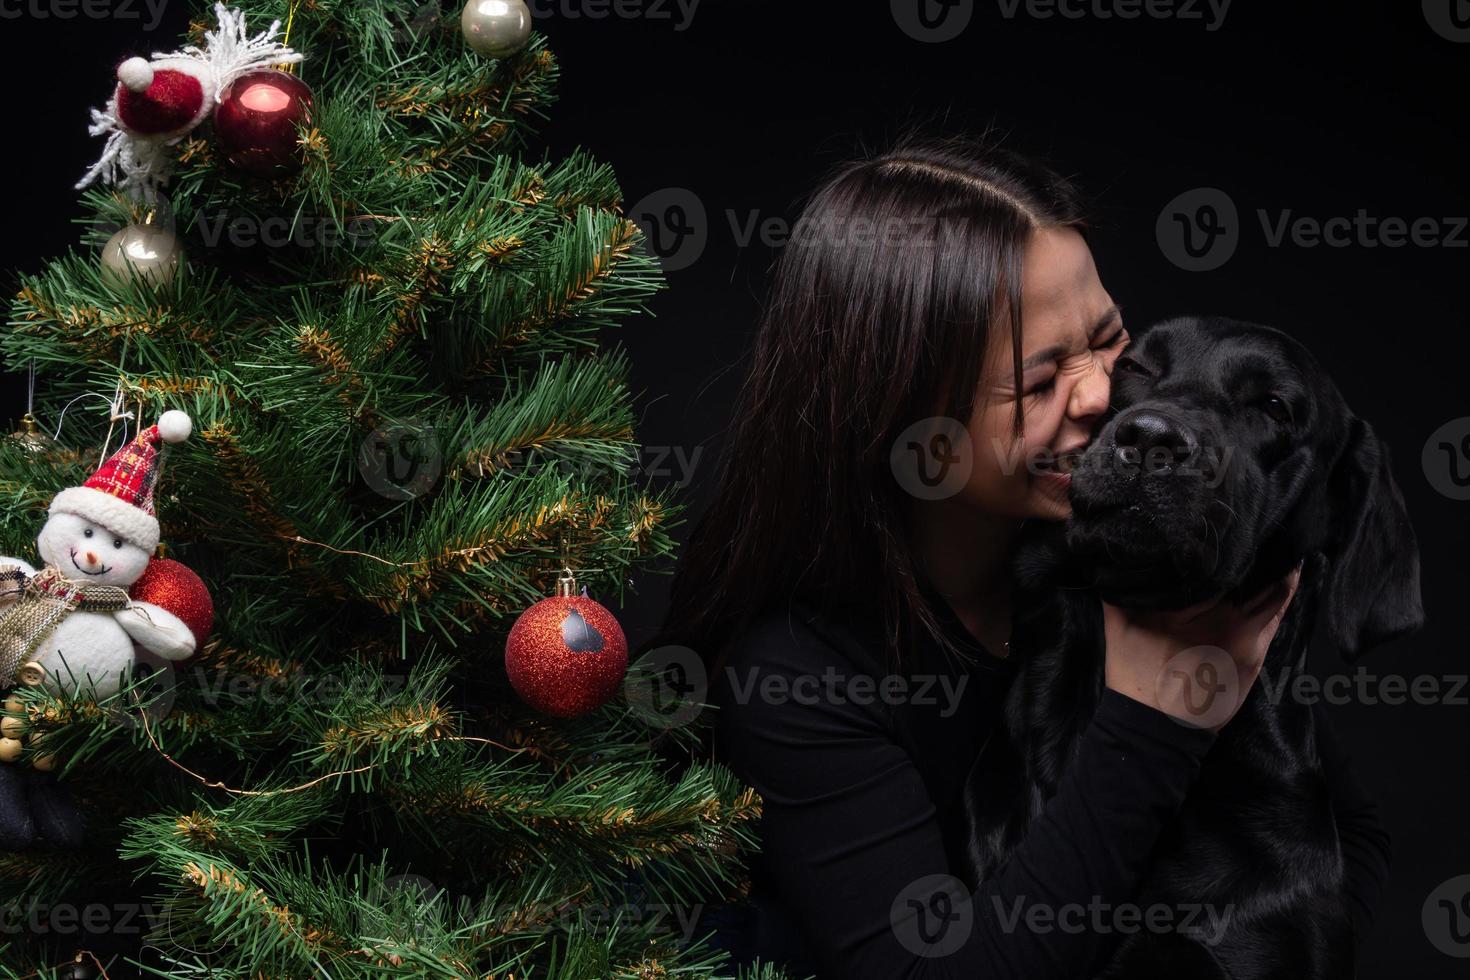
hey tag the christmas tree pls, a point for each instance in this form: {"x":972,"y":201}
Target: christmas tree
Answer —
{"x":383,"y":314}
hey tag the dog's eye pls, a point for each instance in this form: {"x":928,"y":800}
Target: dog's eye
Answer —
{"x":1277,"y":409}
{"x":1129,"y":366}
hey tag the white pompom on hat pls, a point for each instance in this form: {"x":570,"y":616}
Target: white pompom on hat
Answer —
{"x":136,"y":74}
{"x":119,"y":496}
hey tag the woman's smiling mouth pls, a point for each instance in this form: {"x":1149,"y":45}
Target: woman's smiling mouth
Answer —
{"x":79,"y":568}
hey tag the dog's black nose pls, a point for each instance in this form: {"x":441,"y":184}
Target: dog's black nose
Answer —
{"x":1153,"y":439}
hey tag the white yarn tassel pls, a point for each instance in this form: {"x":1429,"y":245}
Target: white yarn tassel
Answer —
{"x":231,"y":52}
{"x":138,"y":166}
{"x":106,"y":167}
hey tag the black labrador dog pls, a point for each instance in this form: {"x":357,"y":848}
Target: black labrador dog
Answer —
{"x":1227,"y":456}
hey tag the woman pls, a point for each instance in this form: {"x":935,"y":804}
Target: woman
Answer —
{"x":940,"y":279}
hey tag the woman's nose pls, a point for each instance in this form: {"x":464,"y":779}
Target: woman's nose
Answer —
{"x":1090,"y":395}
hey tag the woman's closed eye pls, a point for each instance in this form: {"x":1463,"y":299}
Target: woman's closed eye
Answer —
{"x":1112,"y":344}
{"x":1041,"y":387}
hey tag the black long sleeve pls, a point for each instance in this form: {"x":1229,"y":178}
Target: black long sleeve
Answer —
{"x":851,"y":824}
{"x":1367,"y":848}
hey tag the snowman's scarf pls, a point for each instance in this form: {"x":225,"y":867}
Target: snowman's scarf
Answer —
{"x":45,"y":599}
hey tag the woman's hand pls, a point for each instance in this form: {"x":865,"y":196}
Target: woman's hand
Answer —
{"x":1195,"y":664}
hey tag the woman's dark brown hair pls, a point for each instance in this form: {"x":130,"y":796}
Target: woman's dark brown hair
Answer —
{"x":879,"y":315}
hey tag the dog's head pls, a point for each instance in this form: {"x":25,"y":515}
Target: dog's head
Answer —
{"x":1228,"y":455}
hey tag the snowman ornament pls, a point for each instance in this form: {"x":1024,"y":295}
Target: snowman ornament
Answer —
{"x":72,"y":625}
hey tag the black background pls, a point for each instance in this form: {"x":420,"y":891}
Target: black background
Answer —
{"x":1306,"y":107}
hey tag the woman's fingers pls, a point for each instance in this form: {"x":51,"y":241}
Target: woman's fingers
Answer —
{"x":1166,"y":658}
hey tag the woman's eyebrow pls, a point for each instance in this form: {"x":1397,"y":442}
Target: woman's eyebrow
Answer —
{"x":1041,"y":357}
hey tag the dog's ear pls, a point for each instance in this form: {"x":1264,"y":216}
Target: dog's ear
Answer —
{"x":1372,"y":591}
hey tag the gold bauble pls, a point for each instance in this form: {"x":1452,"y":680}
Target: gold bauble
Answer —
{"x":147,"y":253}
{"x":496,"y":28}
{"x":31,"y":437}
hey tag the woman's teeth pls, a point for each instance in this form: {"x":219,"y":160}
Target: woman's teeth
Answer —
{"x":1062,"y":464}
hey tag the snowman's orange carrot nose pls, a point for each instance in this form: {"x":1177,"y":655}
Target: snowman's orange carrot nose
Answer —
{"x":91,"y":558}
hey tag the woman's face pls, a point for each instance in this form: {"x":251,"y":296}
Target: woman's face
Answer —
{"x":1072,"y":333}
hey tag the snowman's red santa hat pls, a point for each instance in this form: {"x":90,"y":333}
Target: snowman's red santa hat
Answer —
{"x":119,"y":496}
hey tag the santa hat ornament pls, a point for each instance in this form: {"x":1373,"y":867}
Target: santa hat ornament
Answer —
{"x":119,"y":496}
{"x":159,"y":101}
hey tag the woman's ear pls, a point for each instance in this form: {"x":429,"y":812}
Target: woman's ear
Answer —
{"x":1372,"y":594}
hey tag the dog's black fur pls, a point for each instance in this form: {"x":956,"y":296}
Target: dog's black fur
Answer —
{"x":1197,"y":484}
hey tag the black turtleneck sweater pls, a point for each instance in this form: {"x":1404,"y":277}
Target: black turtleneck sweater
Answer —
{"x":863,"y":827}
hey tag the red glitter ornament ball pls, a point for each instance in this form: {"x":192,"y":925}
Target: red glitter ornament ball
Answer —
{"x":256,"y":122}
{"x":176,"y":589}
{"x":566,"y":655}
